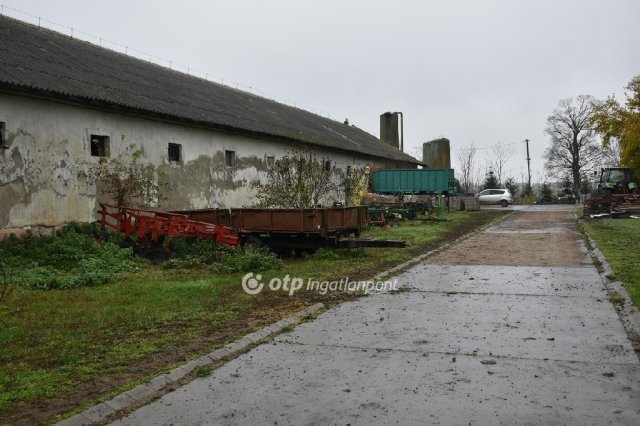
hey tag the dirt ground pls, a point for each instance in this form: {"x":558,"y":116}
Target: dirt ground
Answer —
{"x":524,"y":239}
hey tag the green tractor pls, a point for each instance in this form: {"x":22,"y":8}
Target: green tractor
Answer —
{"x":617,"y":192}
{"x":617,"y":180}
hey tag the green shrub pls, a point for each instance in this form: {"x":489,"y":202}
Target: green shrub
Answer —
{"x":194,"y":247}
{"x":37,"y":278}
{"x":198,"y":253}
{"x":91,"y":229}
{"x":247,"y":259}
{"x":191,"y":253}
{"x":326,"y":254}
{"x":71,"y":258}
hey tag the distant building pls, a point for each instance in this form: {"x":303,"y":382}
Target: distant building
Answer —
{"x":214,"y":143}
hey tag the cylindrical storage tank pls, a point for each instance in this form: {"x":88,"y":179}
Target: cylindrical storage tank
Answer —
{"x":389,"y":129}
{"x":437,"y":153}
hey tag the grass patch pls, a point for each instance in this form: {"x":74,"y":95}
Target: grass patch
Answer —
{"x":287,"y":329}
{"x":616,"y":298}
{"x":326,"y":254}
{"x":61,"y":348}
{"x":310,"y":317}
{"x":203,"y":371}
{"x":619,"y":241}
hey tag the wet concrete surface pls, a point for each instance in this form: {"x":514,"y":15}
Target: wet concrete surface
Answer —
{"x":541,"y":236}
{"x":457,"y":344}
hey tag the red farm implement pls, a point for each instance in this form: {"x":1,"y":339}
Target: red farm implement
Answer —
{"x":156,"y":226}
{"x":281,"y":230}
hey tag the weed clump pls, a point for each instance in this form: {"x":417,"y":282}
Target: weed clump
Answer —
{"x":357,"y":253}
{"x":203,"y":371}
{"x":194,"y":247}
{"x":191,"y":253}
{"x":326,"y":254}
{"x":247,"y":259}
{"x":616,"y":298}
{"x":71,"y":258}
{"x":194,"y":253}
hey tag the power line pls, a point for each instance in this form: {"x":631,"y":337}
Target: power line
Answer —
{"x":483,"y":148}
{"x":151,"y":58}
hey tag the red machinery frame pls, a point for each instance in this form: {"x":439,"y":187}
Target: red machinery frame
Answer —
{"x":154,"y":224}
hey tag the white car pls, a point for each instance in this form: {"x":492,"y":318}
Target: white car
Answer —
{"x":495,"y":196}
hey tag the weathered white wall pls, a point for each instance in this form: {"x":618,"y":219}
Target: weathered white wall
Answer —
{"x":41,"y":183}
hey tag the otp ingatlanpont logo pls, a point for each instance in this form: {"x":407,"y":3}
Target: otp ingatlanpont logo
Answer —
{"x":252,"y":285}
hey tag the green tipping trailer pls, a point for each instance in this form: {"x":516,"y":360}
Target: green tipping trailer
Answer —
{"x":414,"y":181}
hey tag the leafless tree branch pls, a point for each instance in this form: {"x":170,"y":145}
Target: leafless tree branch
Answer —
{"x":573,"y":150}
{"x":467,"y":164}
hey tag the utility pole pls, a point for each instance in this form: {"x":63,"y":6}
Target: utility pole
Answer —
{"x":528,"y":167}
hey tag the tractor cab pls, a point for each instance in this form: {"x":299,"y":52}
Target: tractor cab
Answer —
{"x":617,"y":180}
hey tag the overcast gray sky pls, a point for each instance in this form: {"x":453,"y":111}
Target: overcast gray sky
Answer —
{"x":476,"y":71}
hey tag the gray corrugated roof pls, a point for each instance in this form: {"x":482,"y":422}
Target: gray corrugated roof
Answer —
{"x":43,"y":60}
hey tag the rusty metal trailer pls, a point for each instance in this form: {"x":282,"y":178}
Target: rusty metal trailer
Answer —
{"x":283,"y":230}
{"x":317,"y":221}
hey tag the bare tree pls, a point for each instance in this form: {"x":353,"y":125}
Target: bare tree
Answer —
{"x":128,"y":178}
{"x":416,"y":152}
{"x":467,"y":163}
{"x":298,"y":180}
{"x":573,"y":147}
{"x":355,"y":185}
{"x":501,"y":154}
{"x":611,"y":153}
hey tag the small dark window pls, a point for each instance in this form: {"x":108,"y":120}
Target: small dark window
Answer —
{"x":3,"y":140}
{"x":327,"y":166}
{"x":230,"y":158}
{"x":348,"y":171}
{"x":99,"y":146}
{"x":271,"y":162}
{"x":175,"y":152}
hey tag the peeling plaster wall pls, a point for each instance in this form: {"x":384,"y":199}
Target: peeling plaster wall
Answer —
{"x":41,"y":179}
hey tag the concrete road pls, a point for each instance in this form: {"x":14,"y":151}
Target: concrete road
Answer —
{"x":511,"y":326}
